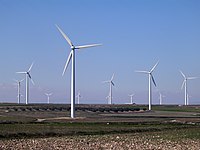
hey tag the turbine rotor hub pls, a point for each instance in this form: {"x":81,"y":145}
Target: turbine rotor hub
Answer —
{"x":73,"y":47}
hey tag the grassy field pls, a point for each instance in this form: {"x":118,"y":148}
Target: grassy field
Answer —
{"x":28,"y":121}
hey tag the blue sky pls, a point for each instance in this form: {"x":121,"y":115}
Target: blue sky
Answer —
{"x":135,"y":34}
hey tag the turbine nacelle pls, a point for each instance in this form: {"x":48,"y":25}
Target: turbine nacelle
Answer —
{"x":131,"y":95}
{"x":110,"y":81}
{"x":73,"y":47}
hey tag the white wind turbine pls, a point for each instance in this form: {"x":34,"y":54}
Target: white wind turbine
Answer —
{"x":151,"y":78}
{"x":48,"y":97}
{"x":161,"y":98}
{"x":72,"y":58}
{"x":28,"y":76}
{"x":109,"y":97}
{"x":185,"y":84}
{"x":78,"y":97}
{"x":19,"y":90}
{"x":131,"y":96}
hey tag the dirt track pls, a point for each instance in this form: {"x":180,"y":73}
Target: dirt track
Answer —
{"x":105,"y":142}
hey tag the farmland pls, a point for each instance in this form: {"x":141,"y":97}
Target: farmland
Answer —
{"x":98,"y":125}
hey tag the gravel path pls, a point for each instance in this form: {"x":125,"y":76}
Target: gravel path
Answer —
{"x":97,"y":142}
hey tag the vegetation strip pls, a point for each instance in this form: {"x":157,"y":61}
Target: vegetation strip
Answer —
{"x":69,"y":129}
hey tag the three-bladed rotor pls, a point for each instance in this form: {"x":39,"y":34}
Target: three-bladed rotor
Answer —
{"x":73,"y":47}
{"x":28,"y":73}
{"x":150,"y":73}
{"x":186,"y":78}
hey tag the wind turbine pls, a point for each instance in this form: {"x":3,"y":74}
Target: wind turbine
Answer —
{"x":151,"y":78}
{"x":185,"y":84}
{"x":131,"y":96}
{"x":18,"y":90}
{"x":78,"y":97}
{"x":48,"y":96}
{"x":72,"y":58}
{"x":160,"y":98}
{"x":28,"y":76}
{"x":110,"y":92}
{"x":108,"y":97}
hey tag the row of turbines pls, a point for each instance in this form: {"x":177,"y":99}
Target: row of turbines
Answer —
{"x":71,"y":57}
{"x":149,"y":73}
{"x":27,"y":77}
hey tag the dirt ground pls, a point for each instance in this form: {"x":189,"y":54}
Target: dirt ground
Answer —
{"x":104,"y":142}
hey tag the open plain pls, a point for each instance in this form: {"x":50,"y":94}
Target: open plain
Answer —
{"x":41,"y":126}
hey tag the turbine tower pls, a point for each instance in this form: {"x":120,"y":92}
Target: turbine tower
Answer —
{"x":185,"y":84}
{"x":151,"y":78}
{"x":78,"y":97}
{"x":72,"y":58}
{"x":188,"y":98}
{"x":110,"y":92}
{"x":160,"y":98}
{"x":27,"y":76}
{"x":48,"y":97}
{"x":131,"y":96}
{"x":18,"y":90}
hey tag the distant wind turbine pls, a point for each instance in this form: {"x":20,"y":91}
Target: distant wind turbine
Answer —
{"x":131,"y":96}
{"x":78,"y":97}
{"x":72,"y":58}
{"x":110,"y":91}
{"x":108,"y":97}
{"x":161,"y":98}
{"x":48,"y":97}
{"x":185,"y":84}
{"x":151,"y":78}
{"x":28,"y":76}
{"x":18,"y":90}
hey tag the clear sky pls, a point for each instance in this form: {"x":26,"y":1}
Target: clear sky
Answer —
{"x":135,"y":34}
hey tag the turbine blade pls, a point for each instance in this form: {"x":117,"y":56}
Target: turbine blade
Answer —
{"x":112,"y":83}
{"x":32,"y":81}
{"x":182,"y":74}
{"x":65,"y":36}
{"x":87,"y":46}
{"x":30,"y":67}
{"x":153,"y":80}
{"x":106,"y":82}
{"x":21,"y":72}
{"x":154,"y":67}
{"x":112,"y":77}
{"x":192,"y":78}
{"x":15,"y":80}
{"x":183,"y":84}
{"x":29,"y":75}
{"x":21,"y":80}
{"x":67,"y":63}
{"x":146,"y":72}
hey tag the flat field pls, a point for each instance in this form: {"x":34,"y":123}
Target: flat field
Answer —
{"x":41,"y":126}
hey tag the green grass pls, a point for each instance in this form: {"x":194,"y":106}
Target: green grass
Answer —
{"x":66,"y":129}
{"x":177,"y":108}
{"x":19,"y":124}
